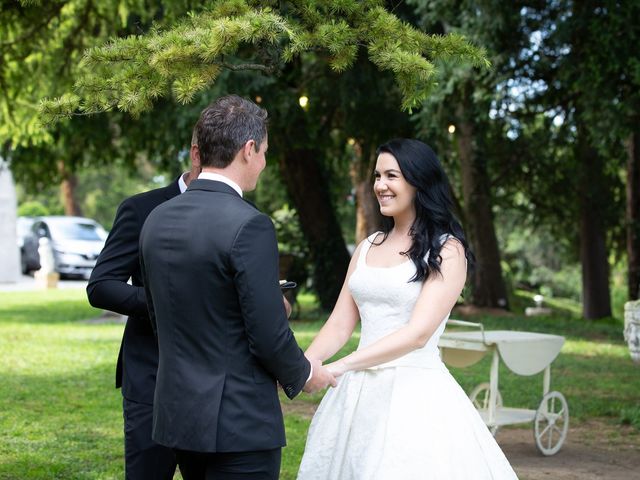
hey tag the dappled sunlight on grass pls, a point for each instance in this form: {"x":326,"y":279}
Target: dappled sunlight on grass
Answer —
{"x":34,"y":306}
{"x":592,"y":349}
{"x":59,"y":349}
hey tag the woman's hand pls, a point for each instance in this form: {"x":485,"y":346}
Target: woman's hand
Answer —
{"x":337,"y":368}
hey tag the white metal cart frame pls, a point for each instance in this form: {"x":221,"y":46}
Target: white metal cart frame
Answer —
{"x":524,"y":353}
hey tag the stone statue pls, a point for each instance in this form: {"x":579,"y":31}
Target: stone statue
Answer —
{"x":632,"y":329}
{"x":47,"y":262}
{"x":46,"y":277}
{"x":9,"y":251}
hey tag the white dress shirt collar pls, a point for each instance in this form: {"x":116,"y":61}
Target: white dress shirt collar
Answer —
{"x":221,"y":178}
{"x":181,"y":183}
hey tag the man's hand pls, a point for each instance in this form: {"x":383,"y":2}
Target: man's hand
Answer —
{"x":321,"y":378}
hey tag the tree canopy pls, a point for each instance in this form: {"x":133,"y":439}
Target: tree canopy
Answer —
{"x":272,"y":49}
{"x":545,"y":141}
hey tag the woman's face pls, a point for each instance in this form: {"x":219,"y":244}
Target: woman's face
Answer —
{"x":395,"y":195}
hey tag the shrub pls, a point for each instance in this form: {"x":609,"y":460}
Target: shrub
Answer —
{"x":32,"y":209}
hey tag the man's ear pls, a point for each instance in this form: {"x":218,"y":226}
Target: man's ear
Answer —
{"x":194,"y":153}
{"x":249,"y":149}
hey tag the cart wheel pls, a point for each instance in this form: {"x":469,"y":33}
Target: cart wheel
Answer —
{"x":551,"y":423}
{"x":479,"y":396}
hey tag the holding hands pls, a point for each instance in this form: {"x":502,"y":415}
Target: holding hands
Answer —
{"x":320,"y":378}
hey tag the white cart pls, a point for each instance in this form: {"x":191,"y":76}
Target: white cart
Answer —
{"x":524,"y":353}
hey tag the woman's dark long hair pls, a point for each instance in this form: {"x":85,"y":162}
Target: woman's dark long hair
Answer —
{"x":421,"y":168}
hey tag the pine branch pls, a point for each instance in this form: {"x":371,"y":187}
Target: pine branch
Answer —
{"x":247,"y":66}
{"x":131,"y":73}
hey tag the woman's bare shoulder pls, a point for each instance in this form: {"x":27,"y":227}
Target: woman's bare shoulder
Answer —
{"x":452,"y":249}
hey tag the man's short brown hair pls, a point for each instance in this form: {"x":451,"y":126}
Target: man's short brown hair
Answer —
{"x":226,"y":126}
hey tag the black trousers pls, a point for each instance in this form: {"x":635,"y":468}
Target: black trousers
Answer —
{"x":259,"y":465}
{"x":144,"y":459}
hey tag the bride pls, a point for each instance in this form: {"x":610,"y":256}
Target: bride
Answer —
{"x":397,"y":413}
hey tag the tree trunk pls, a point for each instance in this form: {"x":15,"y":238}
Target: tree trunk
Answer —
{"x":488,"y":287}
{"x":67,"y":191}
{"x":309,"y":193}
{"x":596,"y":299}
{"x":633,"y":215}
{"x":368,"y":217}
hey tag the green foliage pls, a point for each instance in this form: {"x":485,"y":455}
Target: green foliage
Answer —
{"x":630,"y":416}
{"x":46,"y":200}
{"x":579,"y":67}
{"x":100,"y":203}
{"x":290,"y":237}
{"x":185,"y":58}
{"x":292,"y":245}
{"x":32,"y":208}
{"x":99,"y":191}
{"x":41,"y":45}
{"x":619,"y":291}
{"x":536,"y":260}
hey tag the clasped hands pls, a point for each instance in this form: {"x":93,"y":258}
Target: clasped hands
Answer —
{"x":323,"y":376}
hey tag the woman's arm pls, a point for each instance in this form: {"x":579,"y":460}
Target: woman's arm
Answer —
{"x":437,"y":297}
{"x":341,"y":323}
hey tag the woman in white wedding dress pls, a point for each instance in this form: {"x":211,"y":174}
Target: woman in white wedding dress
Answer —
{"x":397,"y":413}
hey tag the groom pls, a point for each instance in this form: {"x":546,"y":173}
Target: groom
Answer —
{"x":210,"y":264}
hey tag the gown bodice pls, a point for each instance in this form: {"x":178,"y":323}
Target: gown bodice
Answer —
{"x":385,"y":297}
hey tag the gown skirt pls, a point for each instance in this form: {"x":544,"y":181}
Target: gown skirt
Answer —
{"x":400,"y":423}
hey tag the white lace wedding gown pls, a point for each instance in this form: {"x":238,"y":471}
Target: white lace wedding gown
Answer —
{"x":407,"y":419}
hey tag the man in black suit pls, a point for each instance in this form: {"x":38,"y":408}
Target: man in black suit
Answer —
{"x":209,"y":261}
{"x":109,"y":289}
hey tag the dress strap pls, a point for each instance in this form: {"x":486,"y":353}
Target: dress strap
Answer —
{"x":366,"y":245}
{"x":444,"y":237}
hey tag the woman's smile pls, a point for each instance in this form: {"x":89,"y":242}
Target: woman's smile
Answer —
{"x":385,"y":198}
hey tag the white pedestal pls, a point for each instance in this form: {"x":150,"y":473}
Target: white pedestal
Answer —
{"x":537,"y":311}
{"x":632,"y":329}
{"x":46,"y":280}
{"x":9,"y":252}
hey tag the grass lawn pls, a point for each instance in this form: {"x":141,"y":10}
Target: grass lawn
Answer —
{"x":60,"y":416}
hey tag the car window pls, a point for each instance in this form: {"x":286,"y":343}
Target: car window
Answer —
{"x":77,"y":231}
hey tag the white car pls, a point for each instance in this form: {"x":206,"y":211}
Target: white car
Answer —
{"x":76,"y":243}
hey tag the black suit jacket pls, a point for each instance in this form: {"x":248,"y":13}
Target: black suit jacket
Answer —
{"x":210,"y":267}
{"x":108,"y":289}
